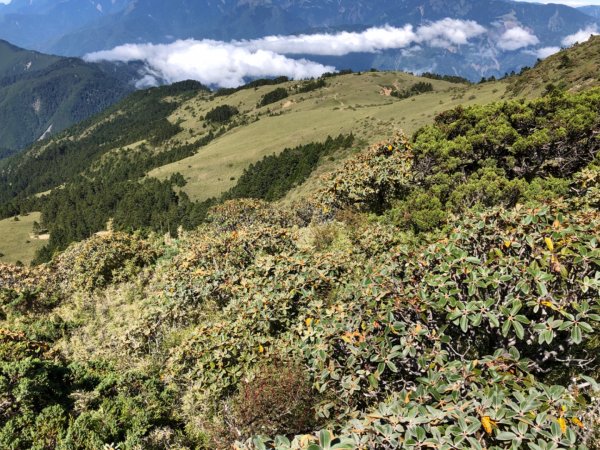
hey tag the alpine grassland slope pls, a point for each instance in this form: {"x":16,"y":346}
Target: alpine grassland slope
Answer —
{"x":574,"y":69}
{"x":439,"y":291}
{"x":180,"y":135}
{"x":361,"y":104}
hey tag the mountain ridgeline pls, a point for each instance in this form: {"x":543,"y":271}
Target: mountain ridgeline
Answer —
{"x":73,"y":28}
{"x":591,"y":10}
{"x":42,"y":94}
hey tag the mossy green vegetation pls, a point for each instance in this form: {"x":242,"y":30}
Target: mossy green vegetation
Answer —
{"x":441,"y":290}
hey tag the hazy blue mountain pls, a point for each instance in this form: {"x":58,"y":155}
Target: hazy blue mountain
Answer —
{"x":37,"y":24}
{"x":86,"y":28}
{"x":160,"y":21}
{"x":591,"y":10}
{"x":42,"y":94}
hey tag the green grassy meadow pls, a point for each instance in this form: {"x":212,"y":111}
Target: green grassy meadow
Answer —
{"x":16,"y":242}
{"x":350,"y":103}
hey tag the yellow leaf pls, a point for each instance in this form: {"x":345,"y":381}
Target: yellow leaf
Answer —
{"x":407,"y":398}
{"x":487,"y":424}
{"x":577,"y":422}
{"x":563,"y":424}
{"x":549,"y":244}
{"x":305,"y":440}
{"x":549,"y":304}
{"x":418,"y":328}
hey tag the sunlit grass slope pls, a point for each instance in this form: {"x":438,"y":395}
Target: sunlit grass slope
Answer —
{"x":354,"y":103}
{"x":16,"y":242}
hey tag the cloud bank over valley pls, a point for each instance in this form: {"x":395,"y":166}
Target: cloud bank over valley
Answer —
{"x":230,"y":64}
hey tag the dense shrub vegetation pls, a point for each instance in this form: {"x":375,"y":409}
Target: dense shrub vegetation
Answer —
{"x":311,"y":85}
{"x":273,"y":97}
{"x":415,"y":89}
{"x":449,"y":78}
{"x":437,"y":292}
{"x":272,"y":177}
{"x":221,"y":114}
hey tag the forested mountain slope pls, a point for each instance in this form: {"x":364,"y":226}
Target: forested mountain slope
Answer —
{"x":42,"y":94}
{"x":591,"y":10}
{"x":38,"y":24}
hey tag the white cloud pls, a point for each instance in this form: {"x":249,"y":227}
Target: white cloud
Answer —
{"x":443,"y":33}
{"x":544,"y":52}
{"x":229,"y":63}
{"x":516,"y":38}
{"x":369,"y":41}
{"x":446,"y":32}
{"x":210,"y":62}
{"x":580,"y":36}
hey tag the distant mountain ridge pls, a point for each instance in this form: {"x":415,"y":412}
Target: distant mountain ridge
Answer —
{"x":591,"y":10}
{"x":36,"y":24}
{"x":43,"y":94}
{"x":156,"y":21}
